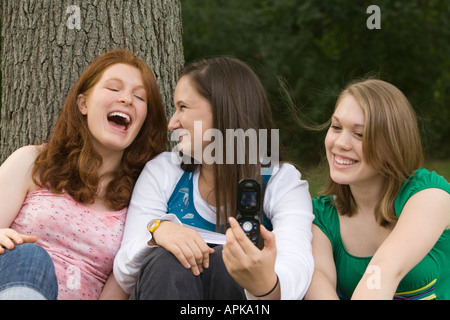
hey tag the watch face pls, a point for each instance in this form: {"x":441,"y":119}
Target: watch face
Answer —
{"x":153,"y":225}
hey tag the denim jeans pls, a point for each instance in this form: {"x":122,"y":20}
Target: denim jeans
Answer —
{"x":27,"y":272}
{"x":162,"y":277}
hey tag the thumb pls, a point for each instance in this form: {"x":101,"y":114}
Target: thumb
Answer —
{"x":268,"y":237}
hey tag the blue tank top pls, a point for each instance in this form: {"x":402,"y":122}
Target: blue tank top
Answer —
{"x":181,"y":203}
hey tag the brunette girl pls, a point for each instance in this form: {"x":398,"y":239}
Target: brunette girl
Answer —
{"x":161,"y":256}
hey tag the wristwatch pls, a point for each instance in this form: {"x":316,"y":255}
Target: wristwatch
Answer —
{"x":151,"y":227}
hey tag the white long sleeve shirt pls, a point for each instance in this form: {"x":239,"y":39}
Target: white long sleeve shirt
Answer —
{"x":287,"y":203}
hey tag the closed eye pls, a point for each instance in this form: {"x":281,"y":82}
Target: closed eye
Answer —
{"x":139,"y":97}
{"x":335,"y":127}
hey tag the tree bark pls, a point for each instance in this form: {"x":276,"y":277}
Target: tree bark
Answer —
{"x":46,"y":44}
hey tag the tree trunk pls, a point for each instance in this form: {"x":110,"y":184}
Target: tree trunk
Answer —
{"x":46,"y":44}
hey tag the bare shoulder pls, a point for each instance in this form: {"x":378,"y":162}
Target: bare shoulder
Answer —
{"x":432,"y":202}
{"x":23,"y":156}
{"x":19,"y":165}
{"x":16,"y":182}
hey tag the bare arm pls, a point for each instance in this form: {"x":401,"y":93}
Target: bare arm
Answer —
{"x":421,"y":223}
{"x":112,"y":290}
{"x":323,"y":284}
{"x":15,"y":183}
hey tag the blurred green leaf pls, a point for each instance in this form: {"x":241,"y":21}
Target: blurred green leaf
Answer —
{"x":319,"y":46}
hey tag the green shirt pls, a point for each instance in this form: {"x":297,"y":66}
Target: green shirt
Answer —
{"x":429,"y":279}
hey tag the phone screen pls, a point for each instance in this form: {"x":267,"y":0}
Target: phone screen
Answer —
{"x":248,"y":199}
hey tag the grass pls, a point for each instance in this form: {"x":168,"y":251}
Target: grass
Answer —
{"x":442,"y":167}
{"x":316,"y":175}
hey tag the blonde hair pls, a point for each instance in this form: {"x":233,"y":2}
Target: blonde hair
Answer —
{"x":391,"y":144}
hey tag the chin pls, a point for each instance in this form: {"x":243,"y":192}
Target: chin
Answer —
{"x":117,"y":146}
{"x":340,"y":178}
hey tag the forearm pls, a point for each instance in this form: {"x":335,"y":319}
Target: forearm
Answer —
{"x":112,"y":290}
{"x":377,"y":283}
{"x":273,"y":294}
{"x":321,"y":288}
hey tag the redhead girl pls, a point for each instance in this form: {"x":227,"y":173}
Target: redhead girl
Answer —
{"x":382,"y":225}
{"x":67,"y":200}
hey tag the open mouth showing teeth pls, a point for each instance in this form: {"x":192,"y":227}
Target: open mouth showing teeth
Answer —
{"x":119,"y":119}
{"x":344,"y":162}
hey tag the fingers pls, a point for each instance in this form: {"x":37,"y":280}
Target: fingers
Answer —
{"x":178,"y":252}
{"x":245,"y":243}
{"x":240,"y":251}
{"x":238,"y":248}
{"x":249,"y":266}
{"x":186,"y":245}
{"x":6,"y":240}
{"x":28,"y":239}
{"x":203,"y":259}
{"x":238,"y":240}
{"x":268,"y":237}
{"x":198,"y":256}
{"x":192,"y":255}
{"x":10,"y":237}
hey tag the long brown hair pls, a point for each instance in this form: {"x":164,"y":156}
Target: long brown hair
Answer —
{"x":391,"y":144}
{"x":238,"y":101}
{"x":70,"y":164}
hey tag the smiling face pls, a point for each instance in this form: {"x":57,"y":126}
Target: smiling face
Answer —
{"x":116,"y":108}
{"x":192,"y":109}
{"x":344,"y":147}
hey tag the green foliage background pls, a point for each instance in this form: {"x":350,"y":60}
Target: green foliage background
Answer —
{"x":319,"y":46}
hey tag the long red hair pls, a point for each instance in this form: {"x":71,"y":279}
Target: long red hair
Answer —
{"x":70,"y":164}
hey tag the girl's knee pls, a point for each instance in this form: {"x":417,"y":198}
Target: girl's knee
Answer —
{"x":29,"y":265}
{"x":163,"y":260}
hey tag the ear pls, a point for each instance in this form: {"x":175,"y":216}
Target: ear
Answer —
{"x":81,"y":102}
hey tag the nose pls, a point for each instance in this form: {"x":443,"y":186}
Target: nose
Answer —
{"x":343,"y":140}
{"x":174,"y":122}
{"x":126,"y":98}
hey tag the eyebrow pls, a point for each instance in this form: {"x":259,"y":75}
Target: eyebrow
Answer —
{"x":356,"y":125}
{"x":180,"y":102}
{"x":121,"y":81}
